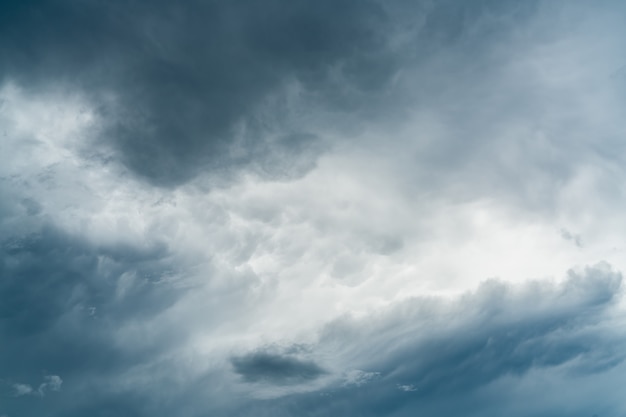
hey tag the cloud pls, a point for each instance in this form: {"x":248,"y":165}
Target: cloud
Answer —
{"x":52,"y":284}
{"x":182,"y":89}
{"x":51,"y":383}
{"x":485,"y":342}
{"x":22,"y":389}
{"x":567,"y":235}
{"x":275,"y":368}
{"x":357,"y":377}
{"x":311,"y":208}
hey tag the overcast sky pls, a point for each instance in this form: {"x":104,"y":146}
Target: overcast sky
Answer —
{"x":290,"y":208}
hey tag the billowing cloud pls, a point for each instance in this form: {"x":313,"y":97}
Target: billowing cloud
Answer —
{"x":296,"y":208}
{"x":185,"y":88}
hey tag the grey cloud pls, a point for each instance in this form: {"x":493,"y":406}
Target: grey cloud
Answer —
{"x":61,"y":313}
{"x":203,"y":86}
{"x":427,"y":352}
{"x":222,"y":86}
{"x":575,"y":238}
{"x":47,"y":272}
{"x":182,"y":76}
{"x":275,"y":368}
{"x":411,"y":357}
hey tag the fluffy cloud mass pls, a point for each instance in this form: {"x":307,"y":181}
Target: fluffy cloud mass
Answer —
{"x":312,"y":208}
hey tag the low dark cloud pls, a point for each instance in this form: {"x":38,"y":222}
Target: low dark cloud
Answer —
{"x":172,"y":81}
{"x":275,"y":368}
{"x":204,"y":86}
{"x":62,"y":312}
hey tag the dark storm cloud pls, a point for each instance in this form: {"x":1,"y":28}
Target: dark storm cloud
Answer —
{"x":61,"y":312}
{"x":200,"y":85}
{"x":48,"y":272}
{"x":181,"y":75}
{"x":275,"y":368}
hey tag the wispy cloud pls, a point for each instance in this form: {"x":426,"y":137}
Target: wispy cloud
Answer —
{"x":51,"y":383}
{"x":22,"y":389}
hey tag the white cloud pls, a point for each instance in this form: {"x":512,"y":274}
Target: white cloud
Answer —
{"x":51,"y":383}
{"x":22,"y":389}
{"x":356,"y":377}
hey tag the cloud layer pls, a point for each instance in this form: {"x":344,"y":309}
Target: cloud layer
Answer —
{"x":296,"y":208}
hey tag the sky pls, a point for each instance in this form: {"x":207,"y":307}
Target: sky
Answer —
{"x":292,"y":208}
